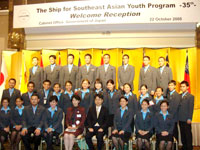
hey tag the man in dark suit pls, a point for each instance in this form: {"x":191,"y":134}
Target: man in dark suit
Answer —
{"x":185,"y":114}
{"x":106,"y":71}
{"x":36,"y":74}
{"x":52,"y":72}
{"x":174,"y":101}
{"x":12,"y":93}
{"x":148,"y":75}
{"x":87,"y":71}
{"x":32,"y":123}
{"x":27,"y":96}
{"x":126,"y":73}
{"x":69,"y":73}
{"x":96,"y":123}
{"x":45,"y":93}
{"x":164,"y":75}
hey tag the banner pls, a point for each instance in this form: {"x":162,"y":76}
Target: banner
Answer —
{"x":106,"y":12}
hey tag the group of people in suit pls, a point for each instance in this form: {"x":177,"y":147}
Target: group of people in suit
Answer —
{"x":87,"y":98}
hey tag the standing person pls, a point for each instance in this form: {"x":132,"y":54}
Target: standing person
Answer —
{"x":126,"y":73}
{"x":185,"y":114}
{"x":87,"y":71}
{"x":144,"y":126}
{"x":143,"y":95}
{"x":45,"y":93}
{"x":122,"y":125}
{"x":69,"y":73}
{"x":112,"y":101}
{"x":97,"y":123}
{"x":5,"y":118}
{"x":68,"y":93}
{"x":86,"y":95}
{"x":16,"y":121}
{"x":148,"y":75}
{"x":32,"y":123}
{"x":12,"y":93}
{"x":52,"y":72}
{"x":74,"y":122}
{"x":164,"y":125}
{"x":106,"y":71}
{"x":164,"y":75}
{"x":174,"y":103}
{"x":36,"y":74}
{"x":52,"y":122}
{"x":27,"y":96}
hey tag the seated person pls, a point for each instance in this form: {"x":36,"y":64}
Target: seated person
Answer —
{"x":164,"y":125}
{"x":52,"y":122}
{"x":32,"y":123}
{"x":122,"y":125}
{"x":144,"y":126}
{"x":5,"y":118}
{"x":16,"y":121}
{"x":143,"y":95}
{"x":74,"y":121}
{"x":96,"y":123}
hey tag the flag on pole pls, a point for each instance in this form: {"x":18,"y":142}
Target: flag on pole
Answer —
{"x":3,"y":76}
{"x":79,"y":60}
{"x":122,"y":57}
{"x":167,"y":60}
{"x":187,"y":75}
{"x":23,"y":76}
{"x":59,"y":61}
{"x":102,"y":63}
{"x":143,"y":58}
{"x":41,"y":61}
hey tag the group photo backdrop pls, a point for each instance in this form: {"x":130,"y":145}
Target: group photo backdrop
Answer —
{"x":19,"y":62}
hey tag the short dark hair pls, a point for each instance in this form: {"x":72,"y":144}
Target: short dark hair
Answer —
{"x":12,"y":79}
{"x":146,"y":57}
{"x":54,"y":56}
{"x":53,"y":98}
{"x":19,"y":97}
{"x":98,"y":95}
{"x":35,"y":58}
{"x":161,"y":57}
{"x":68,"y":82}
{"x":5,"y":99}
{"x":110,"y":81}
{"x":186,"y":83}
{"x":98,"y":81}
{"x":71,"y":55}
{"x":57,"y":84}
{"x":77,"y":97}
{"x":128,"y":85}
{"x":144,"y":85}
{"x":88,"y":55}
{"x":146,"y":100}
{"x":123,"y":97}
{"x":30,"y":82}
{"x":47,"y":81}
{"x":172,"y":81}
{"x":84,"y":81}
{"x":107,"y":55}
{"x":35,"y":94}
{"x":159,"y":88}
{"x":164,"y":101}
{"x":125,"y":55}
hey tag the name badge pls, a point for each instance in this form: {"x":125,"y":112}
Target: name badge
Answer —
{"x":151,"y":103}
{"x":45,"y":100}
{"x":77,"y":122}
{"x":73,"y":125}
{"x":79,"y":115}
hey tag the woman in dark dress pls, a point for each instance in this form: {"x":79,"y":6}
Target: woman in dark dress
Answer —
{"x":16,"y":121}
{"x":75,"y":119}
{"x":144,"y":126}
{"x":164,"y":125}
{"x":5,"y":118}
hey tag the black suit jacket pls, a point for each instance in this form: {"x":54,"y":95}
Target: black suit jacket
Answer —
{"x":16,"y":119}
{"x":56,"y":121}
{"x":41,"y":95}
{"x":102,"y":120}
{"x":29,"y":119}
{"x":185,"y":111}
{"x":26,"y":99}
{"x":16,"y":93}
